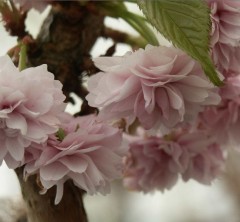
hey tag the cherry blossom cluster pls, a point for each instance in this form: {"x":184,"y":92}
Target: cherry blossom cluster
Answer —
{"x":185,"y":122}
{"x":157,"y":162}
{"x":90,"y":155}
{"x":225,"y":35}
{"x":223,"y":120}
{"x":37,"y":134}
{"x":30,"y":105}
{"x":160,"y":86}
{"x":164,"y":91}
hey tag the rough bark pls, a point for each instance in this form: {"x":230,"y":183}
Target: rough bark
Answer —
{"x":64,"y":42}
{"x":41,"y":208}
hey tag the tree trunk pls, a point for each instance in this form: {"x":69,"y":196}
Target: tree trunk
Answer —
{"x":64,"y":42}
{"x":41,"y":208}
{"x":66,"y":37}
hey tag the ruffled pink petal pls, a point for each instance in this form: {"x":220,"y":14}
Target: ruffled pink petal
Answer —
{"x":163,"y":80}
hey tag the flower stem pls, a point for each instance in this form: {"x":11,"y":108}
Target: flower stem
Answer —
{"x":22,"y":57}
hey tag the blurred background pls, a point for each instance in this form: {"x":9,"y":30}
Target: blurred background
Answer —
{"x":186,"y":202}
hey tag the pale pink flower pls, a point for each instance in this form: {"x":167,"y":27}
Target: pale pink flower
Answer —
{"x":225,"y":16}
{"x":30,"y":102}
{"x":158,"y":85}
{"x":223,"y":121}
{"x":156,"y":163}
{"x":26,"y":5}
{"x":226,"y":59}
{"x":90,"y":155}
{"x":225,"y":35}
{"x":206,"y":157}
{"x":153,"y":163}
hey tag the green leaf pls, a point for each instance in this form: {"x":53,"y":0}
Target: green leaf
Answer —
{"x":139,"y":24}
{"x":187,"y":24}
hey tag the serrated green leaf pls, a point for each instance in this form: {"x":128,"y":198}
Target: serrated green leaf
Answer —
{"x":187,"y":24}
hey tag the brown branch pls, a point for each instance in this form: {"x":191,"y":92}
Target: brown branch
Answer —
{"x":122,"y":37}
{"x":13,"y":19}
{"x":41,"y":208}
{"x":66,"y":38}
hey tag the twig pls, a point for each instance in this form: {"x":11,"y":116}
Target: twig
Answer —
{"x":122,"y":37}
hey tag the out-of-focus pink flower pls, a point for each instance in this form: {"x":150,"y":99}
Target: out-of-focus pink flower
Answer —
{"x":225,"y":16}
{"x":225,"y":35}
{"x":90,"y":155}
{"x":206,"y":158}
{"x":223,"y":121}
{"x":156,"y":163}
{"x":30,"y":102}
{"x":39,"y":5}
{"x":153,"y":163}
{"x":158,"y":85}
{"x":206,"y":165}
{"x":226,"y":59}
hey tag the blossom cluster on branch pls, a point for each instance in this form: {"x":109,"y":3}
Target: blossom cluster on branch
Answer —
{"x":164,"y":90}
{"x":222,"y":121}
{"x":157,"y":162}
{"x":90,"y":155}
{"x":176,"y":122}
{"x":31,"y":102}
{"x":161,"y":86}
{"x":36,"y":133}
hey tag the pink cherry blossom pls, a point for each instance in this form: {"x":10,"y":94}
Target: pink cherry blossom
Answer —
{"x":156,"y":163}
{"x":90,"y":155}
{"x":223,"y":121}
{"x":225,"y":35}
{"x":30,"y":102}
{"x":153,"y":163}
{"x":226,"y":21}
{"x":226,"y":59}
{"x":161,"y":86}
{"x":206,"y":157}
{"x":26,"y":5}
